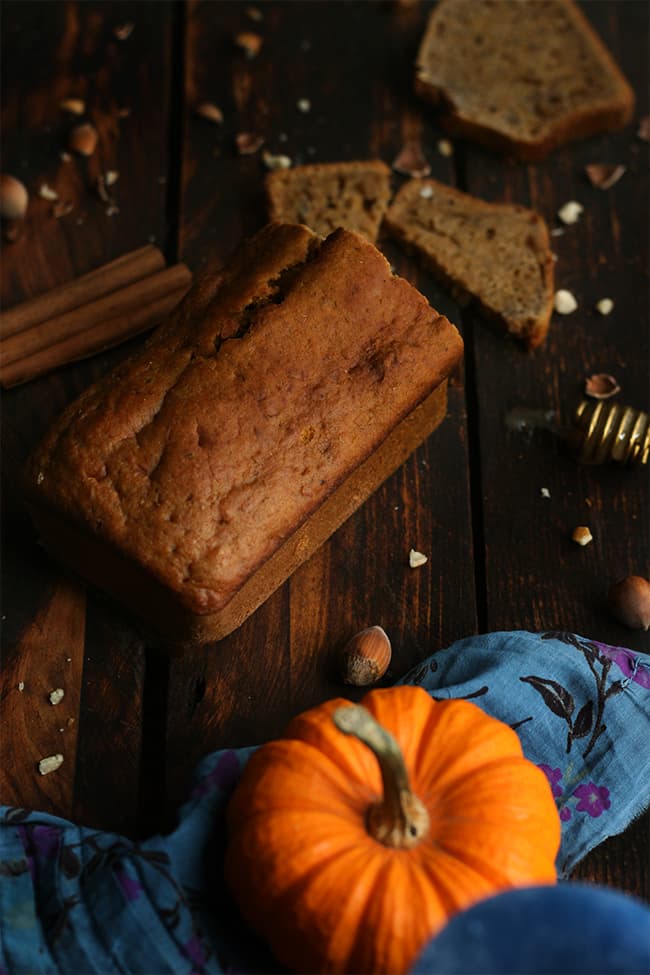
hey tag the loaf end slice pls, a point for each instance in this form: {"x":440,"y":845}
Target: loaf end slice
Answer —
{"x":194,"y":478}
{"x":521,"y":76}
{"x":498,"y":254}
{"x":324,"y":196}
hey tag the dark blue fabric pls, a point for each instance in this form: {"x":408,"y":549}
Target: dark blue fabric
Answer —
{"x":75,"y":900}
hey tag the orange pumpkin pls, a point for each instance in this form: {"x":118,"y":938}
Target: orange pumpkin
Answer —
{"x":348,"y":853}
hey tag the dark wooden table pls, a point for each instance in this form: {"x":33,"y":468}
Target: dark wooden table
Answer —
{"x":133,"y":722}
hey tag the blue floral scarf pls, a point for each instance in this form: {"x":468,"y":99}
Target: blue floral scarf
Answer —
{"x":77,"y":900}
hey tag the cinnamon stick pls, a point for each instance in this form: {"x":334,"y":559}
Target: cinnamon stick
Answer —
{"x":113,"y":306}
{"x":89,"y":287}
{"x":101,"y":337}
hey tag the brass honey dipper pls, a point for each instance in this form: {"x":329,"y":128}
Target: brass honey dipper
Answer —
{"x":600,"y":432}
{"x":605,"y":431}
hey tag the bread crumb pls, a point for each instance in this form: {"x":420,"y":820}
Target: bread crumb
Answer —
{"x":21,"y":686}
{"x":111,"y":176}
{"x":57,"y":695}
{"x":416,"y":559}
{"x":605,"y":306}
{"x":279,"y":161}
{"x":50,"y":764}
{"x":570,"y":212}
{"x":564,"y":302}
{"x":303,"y":105}
{"x":445,"y":148}
{"x":582,"y":535}
{"x":545,"y":492}
{"x":410,"y":160}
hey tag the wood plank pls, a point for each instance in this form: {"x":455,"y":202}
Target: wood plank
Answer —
{"x":284,"y":658}
{"x":535,"y":576}
{"x":50,"y":52}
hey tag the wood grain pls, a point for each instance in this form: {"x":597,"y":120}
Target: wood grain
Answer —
{"x":284,"y":658}
{"x":52,"y":51}
{"x":500,"y":554}
{"x":536,"y":577}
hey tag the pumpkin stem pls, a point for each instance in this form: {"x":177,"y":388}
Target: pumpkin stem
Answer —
{"x":399,"y":818}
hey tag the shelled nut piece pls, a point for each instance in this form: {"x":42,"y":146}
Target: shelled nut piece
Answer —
{"x":582,"y":535}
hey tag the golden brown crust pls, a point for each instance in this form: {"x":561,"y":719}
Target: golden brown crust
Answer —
{"x":498,"y":254}
{"x":200,"y":456}
{"x":530,"y":85}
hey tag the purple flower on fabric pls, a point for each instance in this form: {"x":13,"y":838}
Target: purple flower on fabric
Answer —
{"x":553,"y":775}
{"x":223,"y":776}
{"x":565,"y":814}
{"x":45,"y":841}
{"x":628,"y":662}
{"x":594,"y":799}
{"x":131,"y":888}
{"x":194,"y":951}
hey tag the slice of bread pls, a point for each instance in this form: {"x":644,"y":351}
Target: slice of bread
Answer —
{"x":521,"y":76}
{"x":324,"y":196}
{"x":495,"y":253}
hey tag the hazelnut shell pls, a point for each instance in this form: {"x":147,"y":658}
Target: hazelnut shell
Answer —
{"x":366,"y":657}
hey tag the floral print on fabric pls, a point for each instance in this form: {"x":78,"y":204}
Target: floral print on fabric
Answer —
{"x":79,"y":900}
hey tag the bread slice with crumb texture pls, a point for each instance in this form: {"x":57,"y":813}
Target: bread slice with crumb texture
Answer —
{"x":496,"y":253}
{"x":325,"y":196}
{"x":521,"y":76}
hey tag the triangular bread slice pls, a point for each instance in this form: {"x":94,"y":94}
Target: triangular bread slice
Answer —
{"x":497,"y":253}
{"x":522,"y":76}
{"x":324,"y":196}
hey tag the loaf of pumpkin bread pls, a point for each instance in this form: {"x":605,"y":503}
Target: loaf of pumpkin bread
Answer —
{"x":191,"y":481}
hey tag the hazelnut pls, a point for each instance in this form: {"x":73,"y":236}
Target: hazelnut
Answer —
{"x":366,"y":657}
{"x":13,"y":198}
{"x":629,"y":601}
{"x":83,"y":139}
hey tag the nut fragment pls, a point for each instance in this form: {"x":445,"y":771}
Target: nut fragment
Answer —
{"x":83,"y":139}
{"x":303,"y":105}
{"x":50,"y":764}
{"x":111,"y":177}
{"x":601,"y":386}
{"x":13,"y":198}
{"x":604,"y":175}
{"x":21,"y":686}
{"x":366,"y":657}
{"x":629,"y":601}
{"x":76,"y":106}
{"x":47,"y":193}
{"x":411,"y":161}
{"x":643,"y":132}
{"x":123,"y":31}
{"x":209,"y":111}
{"x":276,"y":162}
{"x":57,"y":695}
{"x":249,"y":43}
{"x":445,"y":148}
{"x":582,"y":535}
{"x":570,"y":212}
{"x":564,"y":302}
{"x":247,"y":143}
{"x":605,"y":306}
{"x":416,"y":559}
